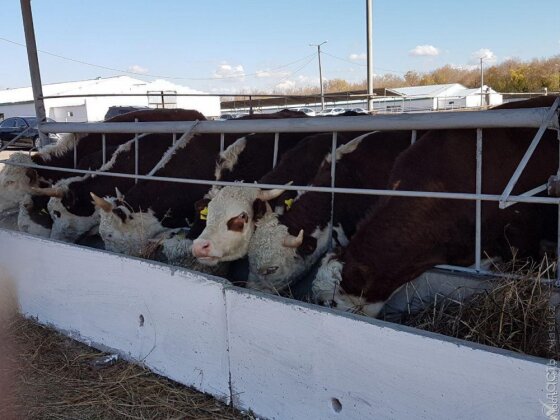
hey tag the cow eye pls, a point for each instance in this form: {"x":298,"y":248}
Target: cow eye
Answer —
{"x":8,"y":183}
{"x":237,"y":223}
{"x":269,"y":270}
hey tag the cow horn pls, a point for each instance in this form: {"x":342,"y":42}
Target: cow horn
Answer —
{"x":292,"y":241}
{"x":266,"y":195}
{"x":101,"y":203}
{"x":119,"y":194}
{"x":56,"y":192}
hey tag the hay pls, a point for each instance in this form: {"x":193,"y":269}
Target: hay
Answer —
{"x":62,"y":379}
{"x":516,"y":313}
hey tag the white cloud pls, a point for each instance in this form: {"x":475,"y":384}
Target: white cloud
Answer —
{"x":465,"y":66}
{"x":286,"y":85}
{"x":227,"y":71}
{"x":138,"y":69}
{"x":424,"y":50}
{"x":268,"y":73}
{"x":358,"y":57}
{"x":486,"y":54}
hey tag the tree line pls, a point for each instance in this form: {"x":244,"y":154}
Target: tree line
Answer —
{"x":512,"y":75}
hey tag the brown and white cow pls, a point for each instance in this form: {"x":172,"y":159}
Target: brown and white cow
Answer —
{"x":232,"y":211}
{"x":152,"y":207}
{"x":71,"y":207}
{"x":403,"y":237}
{"x":285,"y":247}
{"x":16,"y":182}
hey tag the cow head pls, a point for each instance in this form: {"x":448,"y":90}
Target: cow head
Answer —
{"x":123,"y":230}
{"x":33,"y":218}
{"x":230,"y":221}
{"x":16,"y":182}
{"x":277,"y":258}
{"x":72,"y":216}
{"x":327,"y":290}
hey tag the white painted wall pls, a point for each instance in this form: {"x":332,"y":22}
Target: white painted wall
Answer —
{"x":18,"y":110}
{"x":284,"y":360}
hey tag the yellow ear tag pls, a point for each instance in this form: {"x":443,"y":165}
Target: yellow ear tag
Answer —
{"x":203,"y":213}
{"x":289,"y":203}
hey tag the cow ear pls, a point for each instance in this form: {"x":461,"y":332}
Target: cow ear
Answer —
{"x":201,"y":205}
{"x":32,"y":175}
{"x":237,"y":223}
{"x":260,"y":208}
{"x":308,"y":246}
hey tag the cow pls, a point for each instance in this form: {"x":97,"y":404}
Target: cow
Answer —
{"x":403,"y":237}
{"x":71,"y":207}
{"x":232,"y":211}
{"x":16,"y":182}
{"x":152,"y":207}
{"x":285,"y":247}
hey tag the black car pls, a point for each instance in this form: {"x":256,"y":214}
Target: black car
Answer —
{"x":14,"y":126}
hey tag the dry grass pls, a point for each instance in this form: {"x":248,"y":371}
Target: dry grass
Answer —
{"x":58,"y":378}
{"x":515,"y":314}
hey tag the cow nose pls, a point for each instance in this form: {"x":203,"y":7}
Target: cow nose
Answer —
{"x":201,"y":248}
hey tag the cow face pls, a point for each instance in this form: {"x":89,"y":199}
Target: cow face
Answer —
{"x":16,"y":182}
{"x":230,"y":221}
{"x":277,"y":259}
{"x":125,"y":231}
{"x":68,"y":226}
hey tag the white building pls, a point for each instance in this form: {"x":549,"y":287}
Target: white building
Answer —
{"x":19,"y":102}
{"x":436,"y":98}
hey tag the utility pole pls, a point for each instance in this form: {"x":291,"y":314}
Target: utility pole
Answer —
{"x":320,"y":72}
{"x":369,"y":24}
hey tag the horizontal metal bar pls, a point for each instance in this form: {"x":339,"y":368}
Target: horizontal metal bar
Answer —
{"x":16,"y":138}
{"x":390,"y":193}
{"x":531,"y":117}
{"x":237,"y":95}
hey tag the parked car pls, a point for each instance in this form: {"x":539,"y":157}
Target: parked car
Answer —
{"x":10,"y":128}
{"x":359,"y":110}
{"x":331,"y":112}
{"x":307,"y":111}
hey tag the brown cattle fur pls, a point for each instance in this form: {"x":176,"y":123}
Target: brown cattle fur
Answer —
{"x":403,"y":237}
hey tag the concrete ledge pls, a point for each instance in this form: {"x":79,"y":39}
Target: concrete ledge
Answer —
{"x":280,"y":358}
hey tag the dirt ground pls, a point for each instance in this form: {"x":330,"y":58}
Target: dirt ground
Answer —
{"x":59,"y":378}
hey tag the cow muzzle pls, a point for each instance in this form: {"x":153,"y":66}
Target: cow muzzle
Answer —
{"x":202,"y":249}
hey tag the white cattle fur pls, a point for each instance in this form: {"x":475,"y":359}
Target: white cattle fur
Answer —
{"x":229,"y":202}
{"x":26,"y":224}
{"x":68,"y":226}
{"x":229,"y":157}
{"x":130,"y":237}
{"x":266,"y":250}
{"x":15,"y":185}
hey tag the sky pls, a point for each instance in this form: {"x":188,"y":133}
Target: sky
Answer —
{"x":231,"y":46}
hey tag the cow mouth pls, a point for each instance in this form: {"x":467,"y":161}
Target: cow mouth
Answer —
{"x":208,"y":260}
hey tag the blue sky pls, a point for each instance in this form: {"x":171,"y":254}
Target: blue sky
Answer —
{"x":233,"y":46}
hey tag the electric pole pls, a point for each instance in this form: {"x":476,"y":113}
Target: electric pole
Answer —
{"x":320,"y":72}
{"x":369,"y":25}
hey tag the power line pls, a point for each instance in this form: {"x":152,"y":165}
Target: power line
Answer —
{"x":360,"y":64}
{"x":153,"y":75}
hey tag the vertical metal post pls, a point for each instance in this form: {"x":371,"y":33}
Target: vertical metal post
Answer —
{"x":481,"y":83}
{"x":369,"y":24}
{"x":413,"y":138}
{"x":275,"y":155}
{"x":174,"y":139}
{"x":34,"y":71}
{"x":478,"y":240}
{"x":75,"y":153}
{"x":162,"y":100}
{"x":104,"y":147}
{"x":333,"y":184}
{"x":136,"y":154}
{"x":222,"y":142}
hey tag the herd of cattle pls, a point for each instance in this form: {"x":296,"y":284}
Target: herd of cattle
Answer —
{"x":380,"y":243}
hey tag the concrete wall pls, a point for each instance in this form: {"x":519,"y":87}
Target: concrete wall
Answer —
{"x":280,"y":358}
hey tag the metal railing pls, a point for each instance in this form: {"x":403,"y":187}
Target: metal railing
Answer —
{"x":541,"y":118}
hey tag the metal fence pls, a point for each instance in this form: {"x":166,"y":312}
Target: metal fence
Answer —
{"x":541,"y":118}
